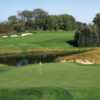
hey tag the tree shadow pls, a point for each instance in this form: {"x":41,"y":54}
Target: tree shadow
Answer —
{"x":73,"y":43}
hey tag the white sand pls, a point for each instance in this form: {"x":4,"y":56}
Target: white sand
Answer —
{"x":15,"y":35}
{"x":26,"y":34}
{"x":4,"y":36}
{"x":85,"y":61}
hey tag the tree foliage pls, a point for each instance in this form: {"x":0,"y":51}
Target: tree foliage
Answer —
{"x":88,"y":35}
{"x":39,"y":19}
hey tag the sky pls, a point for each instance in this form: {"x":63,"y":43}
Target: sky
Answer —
{"x":82,"y":10}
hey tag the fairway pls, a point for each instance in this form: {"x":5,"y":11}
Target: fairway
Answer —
{"x":79,"y":80}
{"x":56,"y":40}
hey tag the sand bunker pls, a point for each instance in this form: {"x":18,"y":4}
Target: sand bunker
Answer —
{"x":85,"y":61}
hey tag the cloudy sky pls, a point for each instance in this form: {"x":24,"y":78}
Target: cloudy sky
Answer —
{"x":82,"y":10}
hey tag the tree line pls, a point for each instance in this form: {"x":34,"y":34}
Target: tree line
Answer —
{"x":37,"y":19}
{"x":88,"y":35}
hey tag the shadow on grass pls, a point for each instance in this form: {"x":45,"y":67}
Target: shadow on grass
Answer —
{"x":42,"y":93}
{"x":72,"y":43}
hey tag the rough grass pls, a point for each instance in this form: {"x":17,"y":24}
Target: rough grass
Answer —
{"x":81,"y":82}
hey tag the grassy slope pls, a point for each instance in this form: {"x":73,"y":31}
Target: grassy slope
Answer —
{"x":38,"y":40}
{"x":81,"y":81}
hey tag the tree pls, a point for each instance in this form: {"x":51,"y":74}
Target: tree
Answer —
{"x":96,"y":21}
{"x":5,"y":28}
{"x":16,"y":24}
{"x":52,"y":22}
{"x":25,"y":19}
{"x":88,"y":35}
{"x":26,"y":15}
{"x":12,"y":19}
{"x":85,"y":36}
{"x":40,"y":17}
{"x":66,"y":22}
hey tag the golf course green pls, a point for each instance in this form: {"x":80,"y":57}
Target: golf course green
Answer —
{"x":49,"y":81}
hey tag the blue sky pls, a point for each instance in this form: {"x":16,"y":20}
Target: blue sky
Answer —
{"x":82,"y":10}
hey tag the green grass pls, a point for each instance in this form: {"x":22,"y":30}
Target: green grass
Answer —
{"x":38,"y":40}
{"x":43,"y":42}
{"x":53,"y":81}
{"x":81,"y":82}
{"x":4,"y":67}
